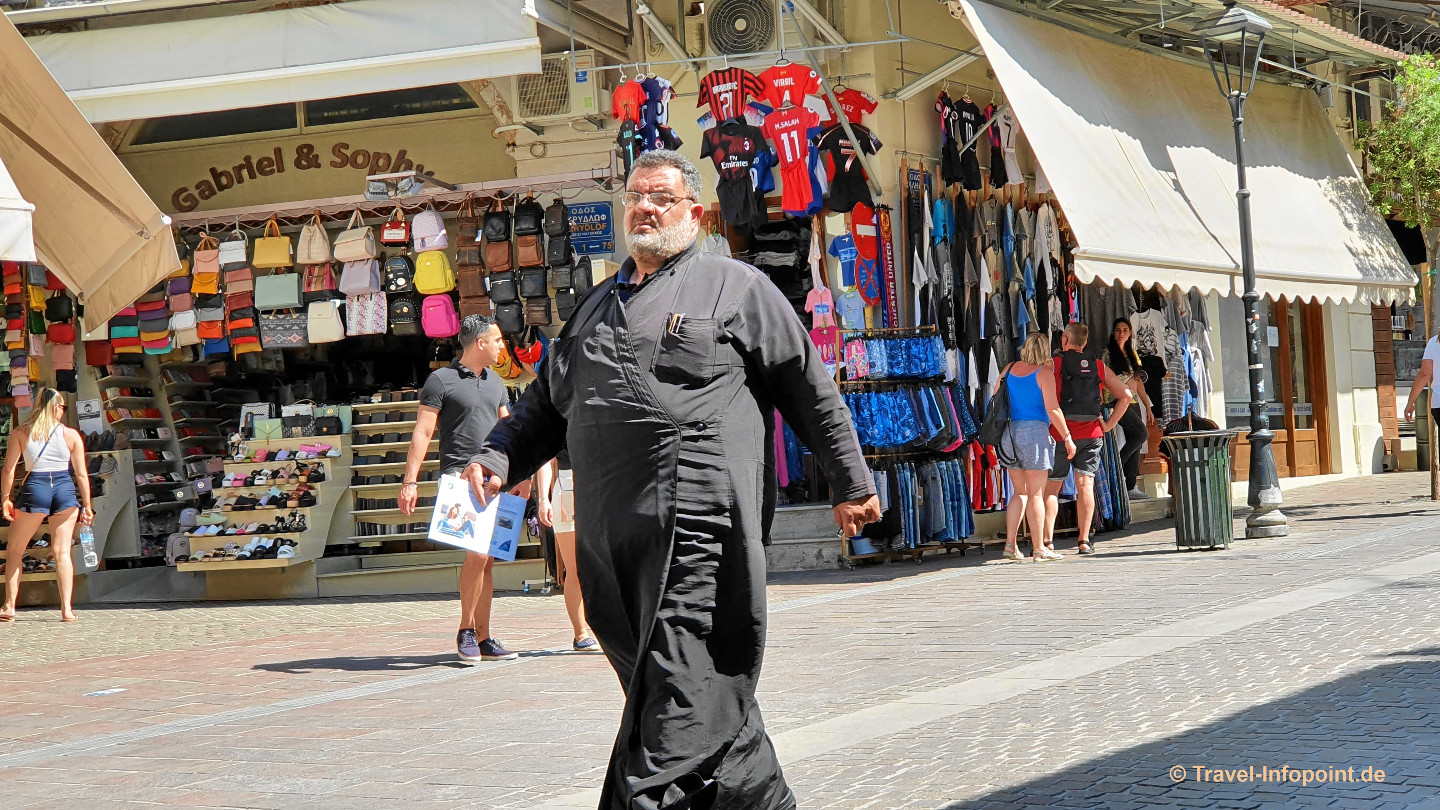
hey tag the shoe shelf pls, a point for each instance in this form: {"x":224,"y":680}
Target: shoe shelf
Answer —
{"x":423,"y":488}
{"x":373,"y":407}
{"x":221,"y":566}
{"x":387,"y":447}
{"x":133,"y":422}
{"x":120,"y":381}
{"x":129,"y":402}
{"x":391,"y":468}
{"x":378,"y":539}
{"x":383,"y":427}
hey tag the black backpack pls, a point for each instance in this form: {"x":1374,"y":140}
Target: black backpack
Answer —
{"x":581,"y":278}
{"x":399,"y":275}
{"x":997,"y":420}
{"x":1079,"y":386}
{"x":404,"y":316}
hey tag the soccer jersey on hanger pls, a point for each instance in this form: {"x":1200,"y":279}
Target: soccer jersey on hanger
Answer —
{"x":854,"y":103}
{"x":846,"y":172}
{"x":727,"y":90}
{"x":790,"y":130}
{"x":790,"y":82}
{"x":628,"y":102}
{"x":733,"y":146}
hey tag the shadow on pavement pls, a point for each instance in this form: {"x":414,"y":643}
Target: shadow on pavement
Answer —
{"x":1379,"y":718}
{"x":377,"y":663}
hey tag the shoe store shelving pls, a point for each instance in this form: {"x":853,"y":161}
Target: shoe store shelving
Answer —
{"x":375,"y":527}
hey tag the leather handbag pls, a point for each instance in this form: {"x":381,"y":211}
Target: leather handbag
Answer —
{"x":528,"y":217}
{"x":366,"y":314}
{"x":497,"y":257}
{"x":472,"y":284}
{"x":557,"y":219}
{"x":468,"y":256}
{"x":238,"y":302}
{"x":467,"y":224}
{"x":314,"y":247}
{"x":560,"y":277}
{"x":323,"y":323}
{"x":59,"y":308}
{"x":182,"y":303}
{"x":558,"y":251}
{"x":496,"y":224}
{"x":502,"y":289}
{"x":529,"y":250}
{"x":356,"y":242}
{"x":532,"y":282}
{"x":239,"y":281}
{"x":35,"y":275}
{"x":510,"y":317}
{"x":537,"y":312}
{"x":268,"y":429}
{"x":234,"y":251}
{"x":581,"y":277}
{"x":565,"y":302}
{"x":283,"y":330}
{"x":272,"y":250}
{"x":476,"y":305}
{"x":319,"y":284}
{"x":396,"y":231}
{"x":360,"y":277}
{"x":177,"y":286}
{"x":280,"y":291}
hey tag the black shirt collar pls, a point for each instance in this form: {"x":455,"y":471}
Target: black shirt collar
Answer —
{"x":627,"y":270}
{"x":464,"y":370}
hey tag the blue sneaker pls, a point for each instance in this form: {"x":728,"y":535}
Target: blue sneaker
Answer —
{"x":586,"y":644}
{"x":467,"y":647}
{"x":490,"y":650}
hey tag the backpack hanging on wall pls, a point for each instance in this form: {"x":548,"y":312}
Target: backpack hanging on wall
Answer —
{"x":399,"y":275}
{"x":404,"y":320}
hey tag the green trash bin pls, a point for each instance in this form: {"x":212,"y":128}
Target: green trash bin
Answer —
{"x":1200,"y":462}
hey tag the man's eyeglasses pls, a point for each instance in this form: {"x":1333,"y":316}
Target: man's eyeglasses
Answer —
{"x":661,"y":200}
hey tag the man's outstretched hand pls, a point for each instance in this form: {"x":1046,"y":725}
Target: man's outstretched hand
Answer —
{"x":852,"y":516}
{"x":483,"y":483}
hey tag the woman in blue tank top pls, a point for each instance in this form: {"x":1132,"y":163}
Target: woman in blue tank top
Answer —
{"x":1033,"y":410}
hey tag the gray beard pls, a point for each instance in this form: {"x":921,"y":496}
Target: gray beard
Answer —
{"x":663,"y":243}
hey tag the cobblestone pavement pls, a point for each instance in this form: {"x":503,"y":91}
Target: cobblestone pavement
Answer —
{"x":959,"y":683}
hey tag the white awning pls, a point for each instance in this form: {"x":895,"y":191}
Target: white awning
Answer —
{"x":17,"y":238}
{"x":297,"y":54}
{"x":95,"y":228}
{"x":1140,"y":152}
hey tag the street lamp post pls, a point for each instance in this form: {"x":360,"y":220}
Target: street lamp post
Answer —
{"x":1236,"y":36}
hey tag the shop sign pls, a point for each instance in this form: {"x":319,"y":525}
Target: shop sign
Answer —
{"x":274,"y":161}
{"x":592,"y":228}
{"x":1242,"y":409}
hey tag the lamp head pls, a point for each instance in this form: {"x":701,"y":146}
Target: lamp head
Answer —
{"x":1233,"y":24}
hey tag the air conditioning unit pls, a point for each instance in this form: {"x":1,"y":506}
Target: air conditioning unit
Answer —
{"x":733,"y":28}
{"x":560,"y":93}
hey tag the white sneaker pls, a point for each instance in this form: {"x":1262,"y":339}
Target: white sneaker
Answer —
{"x":1047,"y":555}
{"x":1137,"y":494}
{"x":1013,"y":554}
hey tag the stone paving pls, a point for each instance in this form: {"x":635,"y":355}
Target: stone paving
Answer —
{"x":959,"y":683}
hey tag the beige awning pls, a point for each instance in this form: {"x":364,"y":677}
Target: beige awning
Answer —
{"x":95,"y":228}
{"x":1140,"y":153}
{"x":17,"y":239}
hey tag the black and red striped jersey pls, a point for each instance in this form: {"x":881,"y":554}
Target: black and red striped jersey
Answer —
{"x":727,"y":90}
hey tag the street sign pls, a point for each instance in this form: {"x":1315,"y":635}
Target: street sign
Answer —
{"x":592,"y":228}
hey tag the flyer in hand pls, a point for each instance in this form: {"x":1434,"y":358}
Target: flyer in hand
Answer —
{"x":460,"y":520}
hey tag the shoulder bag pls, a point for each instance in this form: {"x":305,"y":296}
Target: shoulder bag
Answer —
{"x":356,"y":242}
{"x":273,"y":250}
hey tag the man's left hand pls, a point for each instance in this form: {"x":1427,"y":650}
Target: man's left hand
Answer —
{"x":852,"y":516}
{"x":522,"y":490}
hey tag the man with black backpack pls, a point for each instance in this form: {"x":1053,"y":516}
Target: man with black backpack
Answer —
{"x":1079,"y":380}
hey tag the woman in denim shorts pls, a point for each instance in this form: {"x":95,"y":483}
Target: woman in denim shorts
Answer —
{"x":51,"y":451}
{"x":1033,"y":410}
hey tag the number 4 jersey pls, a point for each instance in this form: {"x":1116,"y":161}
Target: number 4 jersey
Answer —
{"x":790,"y":130}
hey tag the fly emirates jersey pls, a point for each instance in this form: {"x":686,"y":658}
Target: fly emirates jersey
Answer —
{"x":790,"y":130}
{"x":733,"y":146}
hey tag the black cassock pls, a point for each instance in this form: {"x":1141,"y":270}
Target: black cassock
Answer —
{"x":670,"y":434}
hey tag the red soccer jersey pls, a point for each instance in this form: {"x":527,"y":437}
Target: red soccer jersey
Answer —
{"x":856,"y":104}
{"x":628,"y":101}
{"x":727,"y":90}
{"x":790,"y":130}
{"x":792,"y":83}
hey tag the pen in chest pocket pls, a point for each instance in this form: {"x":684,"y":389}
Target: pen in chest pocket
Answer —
{"x":676,"y":318}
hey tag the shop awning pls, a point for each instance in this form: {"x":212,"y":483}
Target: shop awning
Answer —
{"x":95,"y":228}
{"x":295,"y":54}
{"x":17,"y":238}
{"x":1140,"y":152}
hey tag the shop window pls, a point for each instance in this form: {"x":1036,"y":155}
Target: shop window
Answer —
{"x":370,"y":106}
{"x":246,"y":121}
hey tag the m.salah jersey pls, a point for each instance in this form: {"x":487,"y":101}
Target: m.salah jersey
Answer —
{"x":790,"y":83}
{"x":790,"y":130}
{"x":727,"y":90}
{"x":733,"y":146}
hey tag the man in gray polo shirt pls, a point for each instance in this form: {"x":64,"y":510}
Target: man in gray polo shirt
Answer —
{"x":465,"y":400}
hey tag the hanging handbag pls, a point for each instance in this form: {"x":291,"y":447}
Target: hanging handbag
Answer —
{"x":322,"y":322}
{"x":319,"y":282}
{"x":496,"y":224}
{"x":477,"y":305}
{"x":366,"y":314}
{"x":404,"y":319}
{"x":399,"y":275}
{"x":356,"y":242}
{"x":537,"y":312}
{"x":502,"y":288}
{"x":35,"y":275}
{"x":530,"y":250}
{"x":427,"y":231}
{"x":581,"y":277}
{"x":528,"y":217}
{"x":314,"y":245}
{"x":468,"y":256}
{"x":395,"y":232}
{"x":59,"y":308}
{"x":268,"y":429}
{"x":532,"y":282}
{"x":283,"y":330}
{"x":560,"y":277}
{"x":360,"y":277}
{"x":497,"y":257}
{"x":280,"y":291}
{"x":234,"y":251}
{"x":997,"y":421}
{"x":467,"y":224}
{"x":565,"y":302}
{"x":272,"y":250}
{"x":557,"y":219}
{"x":239,"y":281}
{"x":472,"y":284}
{"x":558,"y":253}
{"x":510,"y":317}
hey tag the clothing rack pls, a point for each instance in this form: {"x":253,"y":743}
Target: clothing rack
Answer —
{"x":899,"y":382}
{"x":915,"y":331}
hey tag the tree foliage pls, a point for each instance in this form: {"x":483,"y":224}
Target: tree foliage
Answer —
{"x":1402,"y":149}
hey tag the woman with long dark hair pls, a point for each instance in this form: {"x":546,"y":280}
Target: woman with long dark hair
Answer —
{"x":1124,"y":361}
{"x":57,"y":485}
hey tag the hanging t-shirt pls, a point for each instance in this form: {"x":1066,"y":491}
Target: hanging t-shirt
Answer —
{"x":715,"y":244}
{"x":968,"y":120}
{"x":658,"y":93}
{"x":790,"y":82}
{"x":821,"y":306}
{"x":630,"y":141}
{"x":949,"y":139}
{"x":760,"y":174}
{"x":997,"y":152}
{"x":824,"y":340}
{"x":727,"y":90}
{"x":790,"y":130}
{"x":852,"y":309}
{"x":733,"y":146}
{"x":842,"y":247}
{"x":854,"y":103}
{"x":846,"y":172}
{"x":628,"y":102}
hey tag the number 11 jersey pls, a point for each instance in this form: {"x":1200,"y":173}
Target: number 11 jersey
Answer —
{"x":790,"y":130}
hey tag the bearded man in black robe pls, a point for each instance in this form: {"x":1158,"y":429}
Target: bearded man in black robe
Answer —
{"x":662,"y":385}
